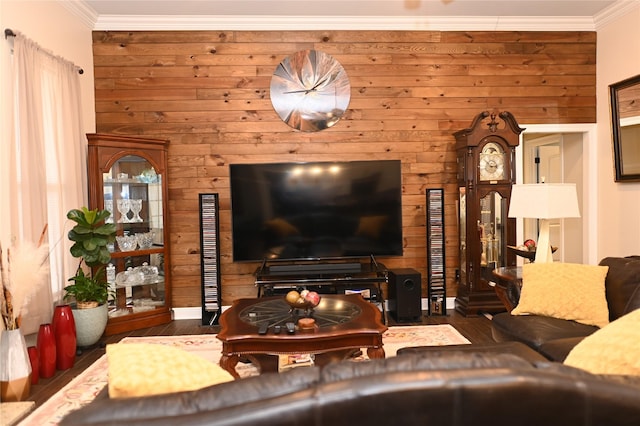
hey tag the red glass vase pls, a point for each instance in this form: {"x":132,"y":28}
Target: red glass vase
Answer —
{"x":46,"y":344}
{"x":35,"y":364}
{"x":64,"y":330}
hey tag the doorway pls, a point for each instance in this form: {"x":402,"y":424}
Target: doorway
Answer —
{"x":556,"y":157}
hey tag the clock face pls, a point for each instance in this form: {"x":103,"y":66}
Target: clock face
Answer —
{"x":310,"y":90}
{"x":492,"y":162}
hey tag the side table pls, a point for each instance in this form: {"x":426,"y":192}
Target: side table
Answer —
{"x":506,"y":277}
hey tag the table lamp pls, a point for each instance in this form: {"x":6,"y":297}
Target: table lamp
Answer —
{"x":544,"y":201}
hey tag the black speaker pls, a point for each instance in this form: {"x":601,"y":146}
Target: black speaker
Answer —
{"x":405,"y":294}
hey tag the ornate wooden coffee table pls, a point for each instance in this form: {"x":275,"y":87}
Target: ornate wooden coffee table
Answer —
{"x":345,"y":324}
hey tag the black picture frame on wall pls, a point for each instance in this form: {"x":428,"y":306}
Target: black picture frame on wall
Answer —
{"x":625,"y":124}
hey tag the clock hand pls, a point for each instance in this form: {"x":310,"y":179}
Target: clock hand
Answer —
{"x":313,"y":89}
{"x":321,"y":82}
{"x":298,"y":91}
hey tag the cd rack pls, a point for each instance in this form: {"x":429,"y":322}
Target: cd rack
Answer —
{"x":436,"y":261}
{"x":210,"y":259}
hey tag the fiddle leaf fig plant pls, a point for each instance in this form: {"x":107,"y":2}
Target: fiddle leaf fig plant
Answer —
{"x":91,"y":236}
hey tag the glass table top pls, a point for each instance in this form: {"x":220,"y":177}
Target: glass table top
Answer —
{"x":329,"y":312}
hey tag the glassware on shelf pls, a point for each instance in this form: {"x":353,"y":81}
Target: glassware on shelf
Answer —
{"x":145,"y":239}
{"x":130,"y":277}
{"x":150,"y":273}
{"x":148,"y":176}
{"x":127,"y":242}
{"x":108,"y":205}
{"x":136,"y":208}
{"x":124,"y":205}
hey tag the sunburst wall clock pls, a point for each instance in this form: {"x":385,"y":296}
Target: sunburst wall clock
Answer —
{"x":310,"y":90}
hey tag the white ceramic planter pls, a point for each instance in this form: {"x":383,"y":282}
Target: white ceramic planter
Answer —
{"x":90,"y":324}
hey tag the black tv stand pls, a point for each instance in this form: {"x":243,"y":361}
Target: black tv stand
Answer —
{"x":337,"y":274}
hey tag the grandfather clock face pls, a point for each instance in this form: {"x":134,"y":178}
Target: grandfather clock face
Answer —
{"x":492,"y":163}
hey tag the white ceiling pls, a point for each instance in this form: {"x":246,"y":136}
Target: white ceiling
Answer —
{"x":351,"y":7}
{"x":348,"y":14}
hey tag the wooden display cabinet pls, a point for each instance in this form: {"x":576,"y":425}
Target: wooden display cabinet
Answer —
{"x":486,"y":172}
{"x":128,"y":176}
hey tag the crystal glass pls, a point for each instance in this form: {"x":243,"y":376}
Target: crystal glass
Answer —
{"x":108,"y":205}
{"x":127,"y":242}
{"x":145,"y":239}
{"x":136,"y":207}
{"x":123,"y":207}
{"x":130,"y":277}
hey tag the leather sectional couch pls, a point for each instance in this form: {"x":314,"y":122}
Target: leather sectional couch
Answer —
{"x":554,"y":338}
{"x":417,"y":387}
{"x":504,"y":383}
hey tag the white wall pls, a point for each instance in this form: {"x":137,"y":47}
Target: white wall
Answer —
{"x":618,"y":57}
{"x":57,"y":30}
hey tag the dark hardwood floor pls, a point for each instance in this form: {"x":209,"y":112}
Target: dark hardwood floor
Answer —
{"x":476,"y":329}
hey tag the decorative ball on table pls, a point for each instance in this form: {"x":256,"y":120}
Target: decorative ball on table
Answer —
{"x":528,"y":250}
{"x":305,"y":299}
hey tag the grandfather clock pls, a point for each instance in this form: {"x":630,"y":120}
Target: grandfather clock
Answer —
{"x":486,"y":171}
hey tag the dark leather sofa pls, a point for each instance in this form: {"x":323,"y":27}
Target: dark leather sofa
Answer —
{"x":554,"y":338}
{"x":446,"y":387}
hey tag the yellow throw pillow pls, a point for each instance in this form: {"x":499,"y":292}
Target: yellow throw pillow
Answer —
{"x":565,"y":291}
{"x":614,"y":349}
{"x":142,"y":369}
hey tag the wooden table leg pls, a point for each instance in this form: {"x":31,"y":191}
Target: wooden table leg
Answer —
{"x":374,"y":353}
{"x":229,"y":362}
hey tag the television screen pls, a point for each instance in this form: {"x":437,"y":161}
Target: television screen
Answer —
{"x":318,"y":210}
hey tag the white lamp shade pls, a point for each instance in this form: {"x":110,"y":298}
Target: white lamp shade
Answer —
{"x":544,"y":201}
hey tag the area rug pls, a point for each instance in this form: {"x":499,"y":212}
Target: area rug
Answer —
{"x":86,"y":386}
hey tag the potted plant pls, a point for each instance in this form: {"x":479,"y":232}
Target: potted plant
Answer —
{"x":90,"y":289}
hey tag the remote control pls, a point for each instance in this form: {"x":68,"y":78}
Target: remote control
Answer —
{"x":291,"y":328}
{"x":263,"y":329}
{"x":276,"y":329}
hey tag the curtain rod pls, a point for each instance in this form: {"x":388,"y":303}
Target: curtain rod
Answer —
{"x":8,"y":32}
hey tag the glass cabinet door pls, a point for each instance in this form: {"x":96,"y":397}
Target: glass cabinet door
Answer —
{"x":492,"y":230}
{"x":132,"y":192}
{"x":462,"y":226}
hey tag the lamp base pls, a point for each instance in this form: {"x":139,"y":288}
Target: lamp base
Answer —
{"x":543,"y":249}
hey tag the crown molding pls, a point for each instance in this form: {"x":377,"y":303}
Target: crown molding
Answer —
{"x":390,"y":23}
{"x":615,"y":11}
{"x":86,"y":13}
{"x":283,"y":23}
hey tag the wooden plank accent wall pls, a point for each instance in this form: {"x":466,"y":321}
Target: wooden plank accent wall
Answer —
{"x":208,"y":93}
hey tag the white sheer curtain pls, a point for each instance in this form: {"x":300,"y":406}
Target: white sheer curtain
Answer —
{"x":48,"y":172}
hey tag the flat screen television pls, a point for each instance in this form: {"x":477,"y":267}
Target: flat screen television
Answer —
{"x":316,"y":210}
